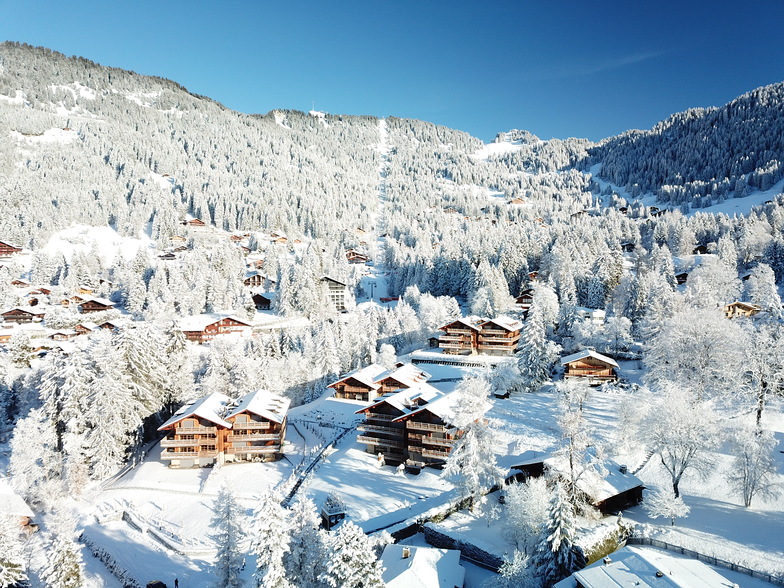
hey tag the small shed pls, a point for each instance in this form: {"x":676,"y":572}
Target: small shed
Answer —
{"x":332,"y":512}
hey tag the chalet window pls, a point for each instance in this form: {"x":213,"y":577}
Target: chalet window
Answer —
{"x":187,"y":437}
{"x":208,"y":448}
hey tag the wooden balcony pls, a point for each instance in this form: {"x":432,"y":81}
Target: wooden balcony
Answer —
{"x":166,"y":442}
{"x":197,"y":430}
{"x":377,"y":441}
{"x":167,"y":454}
{"x":452,"y":332}
{"x":370,"y":428}
{"x":455,"y":338}
{"x":377,"y":416}
{"x":498,"y":333}
{"x":434,"y":453}
{"x":449,"y":345}
{"x":426,"y":426}
{"x":429,"y":440}
{"x":352,"y":389}
{"x":253,"y":437}
{"x":253,"y":449}
{"x":250,"y":425}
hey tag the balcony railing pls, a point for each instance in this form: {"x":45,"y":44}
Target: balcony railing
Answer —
{"x":426,"y":426}
{"x":253,"y":437}
{"x":377,"y":416}
{"x":166,"y":442}
{"x":253,"y":449}
{"x":166,"y":454}
{"x":370,"y":428}
{"x":251,"y":425}
{"x":448,"y":345}
{"x":435,"y":453}
{"x":376,"y":441}
{"x":428,"y":440}
{"x":197,"y":430}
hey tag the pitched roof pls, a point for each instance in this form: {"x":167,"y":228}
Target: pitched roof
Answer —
{"x":505,"y":322}
{"x":407,"y":374}
{"x":208,"y":407}
{"x":443,"y":407}
{"x":264,"y":404}
{"x":11,"y":503}
{"x":462,"y":321}
{"x":200,"y":322}
{"x":638,"y":566}
{"x":588,"y":353}
{"x":366,"y":375}
{"x":425,"y":567}
{"x":407,"y":400}
{"x":600,"y":487}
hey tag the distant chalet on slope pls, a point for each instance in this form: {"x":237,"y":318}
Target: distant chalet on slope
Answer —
{"x":336,"y":292}
{"x":498,"y":336}
{"x":217,"y":429}
{"x":205,"y":327}
{"x":22,"y":315}
{"x":591,"y":367}
{"x":7,"y":249}
{"x":192,"y":221}
{"x":741,"y":309}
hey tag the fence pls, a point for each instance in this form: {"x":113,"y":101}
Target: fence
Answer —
{"x":776,"y":580}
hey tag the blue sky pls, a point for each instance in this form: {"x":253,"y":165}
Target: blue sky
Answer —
{"x":555,"y":68}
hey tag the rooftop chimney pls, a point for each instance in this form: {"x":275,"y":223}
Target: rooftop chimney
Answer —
{"x":406,"y":553}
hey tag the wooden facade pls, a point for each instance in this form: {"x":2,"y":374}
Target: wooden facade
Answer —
{"x":357,"y":257}
{"x":381,"y":434}
{"x":359,"y":384}
{"x":499,"y":336}
{"x":7,"y":250}
{"x":429,"y":438}
{"x":740,"y":309}
{"x":207,"y":332}
{"x":591,"y":367}
{"x":21,"y":315}
{"x":95,"y":305}
{"x":262,"y":302}
{"x":216,"y":429}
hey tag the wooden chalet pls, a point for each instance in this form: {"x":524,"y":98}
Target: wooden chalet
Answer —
{"x":109,"y":326}
{"x":741,"y":309}
{"x":591,"y":367}
{"x":357,"y":257}
{"x":85,"y":328}
{"x":460,"y":337}
{"x":191,"y":221}
{"x":7,"y":250}
{"x":94,"y":304}
{"x":20,"y":283}
{"x":205,"y":327}
{"x":63,"y":335}
{"x":499,"y":336}
{"x":253,"y":279}
{"x":194,"y":434}
{"x":681,"y":277}
{"x":278,"y":238}
{"x":262,"y":302}
{"x":359,"y":384}
{"x":383,"y":431}
{"x":336,"y":292}
{"x":429,"y":434}
{"x":525,"y":300}
{"x":22,"y":315}
{"x":402,"y":376}
{"x":258,"y":427}
{"x":700,"y":250}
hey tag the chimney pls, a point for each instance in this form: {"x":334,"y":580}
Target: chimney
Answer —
{"x":406,"y":552}
{"x":607,"y":561}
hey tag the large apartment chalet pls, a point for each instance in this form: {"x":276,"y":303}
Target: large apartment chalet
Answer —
{"x":498,"y":336}
{"x":217,"y":429}
{"x":590,"y":367}
{"x":372,"y":381}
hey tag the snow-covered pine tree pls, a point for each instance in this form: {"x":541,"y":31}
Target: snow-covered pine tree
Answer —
{"x":270,"y":541}
{"x":352,"y":562}
{"x":64,"y":567}
{"x":304,"y":562}
{"x":557,"y":556}
{"x":471,"y":465}
{"x":12,"y":565}
{"x":227,"y":533}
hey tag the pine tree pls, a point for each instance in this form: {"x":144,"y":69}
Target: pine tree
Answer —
{"x":64,"y":566}
{"x":12,"y":568}
{"x":353,"y":562}
{"x":270,"y":541}
{"x":557,"y":556}
{"x":227,"y":534}
{"x":471,"y":465}
{"x":307,"y":554}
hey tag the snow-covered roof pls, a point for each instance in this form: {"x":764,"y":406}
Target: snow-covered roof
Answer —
{"x":421,"y":567}
{"x":443,"y":407}
{"x":600,"y":487}
{"x":11,"y":503}
{"x":643,"y":567}
{"x":588,"y":353}
{"x":98,"y":299}
{"x":505,"y":322}
{"x":463,"y":321}
{"x":209,"y":408}
{"x":264,"y":404}
{"x":200,"y":322}
{"x":88,"y":325}
{"x":407,"y":400}
{"x":366,"y":375}
{"x":408,"y":375}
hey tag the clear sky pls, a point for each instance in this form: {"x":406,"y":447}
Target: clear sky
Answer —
{"x":555,"y":68}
